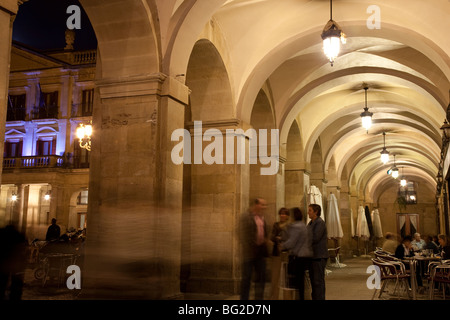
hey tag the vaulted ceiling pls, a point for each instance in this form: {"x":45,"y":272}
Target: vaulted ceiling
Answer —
{"x":277,"y":44}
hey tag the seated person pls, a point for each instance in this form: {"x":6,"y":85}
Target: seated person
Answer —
{"x":405,"y":249}
{"x":430,"y":245}
{"x":390,"y":244}
{"x":445,"y":247}
{"x":418,"y":243}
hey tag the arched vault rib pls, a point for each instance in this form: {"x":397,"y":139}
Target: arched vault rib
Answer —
{"x":347,"y":141}
{"x":402,"y":93}
{"x":371,"y":152}
{"x":375,"y":169}
{"x":379,"y":182}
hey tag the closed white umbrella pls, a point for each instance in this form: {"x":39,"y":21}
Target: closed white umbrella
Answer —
{"x":352,"y":223}
{"x":315,"y":197}
{"x":377,"y":230}
{"x":334,"y":227}
{"x":362,"y":228}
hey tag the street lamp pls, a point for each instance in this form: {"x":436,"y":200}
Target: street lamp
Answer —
{"x":403,"y":181}
{"x":332,"y":36}
{"x":84,"y":133}
{"x":394,"y":171}
{"x":366,"y":116}
{"x":384,"y":152}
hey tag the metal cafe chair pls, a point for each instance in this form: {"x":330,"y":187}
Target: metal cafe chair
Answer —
{"x":440,"y":274}
{"x":389,"y":271}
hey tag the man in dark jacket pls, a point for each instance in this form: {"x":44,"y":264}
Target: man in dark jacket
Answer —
{"x":253,"y":236}
{"x":53,"y":231}
{"x":320,"y":249}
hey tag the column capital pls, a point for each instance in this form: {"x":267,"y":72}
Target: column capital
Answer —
{"x":298,"y":166}
{"x":151,"y":84}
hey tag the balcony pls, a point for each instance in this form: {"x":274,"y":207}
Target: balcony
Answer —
{"x":33,"y":162}
{"x":84,"y":57}
{"x":47,"y":112}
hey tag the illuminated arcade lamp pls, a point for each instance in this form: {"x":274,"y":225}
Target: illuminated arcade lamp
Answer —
{"x":403,"y":180}
{"x":14,"y":197}
{"x":84,"y":133}
{"x":384,"y":152}
{"x":47,"y":196}
{"x":366,"y":116}
{"x":394,"y":170}
{"x":332,"y":35}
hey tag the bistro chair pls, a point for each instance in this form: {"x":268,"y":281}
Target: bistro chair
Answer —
{"x":389,"y":270}
{"x":440,"y":274}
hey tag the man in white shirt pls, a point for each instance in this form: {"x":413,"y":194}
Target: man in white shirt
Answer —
{"x":418,"y":243}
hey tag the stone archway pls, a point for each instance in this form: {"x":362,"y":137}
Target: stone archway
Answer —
{"x":264,"y":186}
{"x":134,"y":187}
{"x":211,"y":190}
{"x":296,"y":173}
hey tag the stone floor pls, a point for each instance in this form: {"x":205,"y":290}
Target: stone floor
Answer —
{"x":346,"y":283}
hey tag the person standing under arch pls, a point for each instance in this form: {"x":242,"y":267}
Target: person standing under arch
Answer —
{"x":318,"y":230}
{"x":253,"y":236}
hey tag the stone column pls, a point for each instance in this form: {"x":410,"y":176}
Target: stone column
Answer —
{"x":135,"y":191}
{"x":218,"y":194}
{"x":8,"y":11}
{"x":297,"y":182}
{"x":347,"y":243}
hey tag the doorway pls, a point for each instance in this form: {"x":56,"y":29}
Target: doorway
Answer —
{"x":407,"y":224}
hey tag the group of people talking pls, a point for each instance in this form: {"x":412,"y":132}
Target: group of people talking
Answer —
{"x":306,"y":246}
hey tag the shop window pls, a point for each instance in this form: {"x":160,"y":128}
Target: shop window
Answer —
{"x":82,"y":220}
{"x":408,"y":193}
{"x":82,"y":198}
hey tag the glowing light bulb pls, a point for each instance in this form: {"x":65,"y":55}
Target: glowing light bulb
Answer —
{"x":403,"y":182}
{"x":384,"y":156}
{"x":395,"y":173}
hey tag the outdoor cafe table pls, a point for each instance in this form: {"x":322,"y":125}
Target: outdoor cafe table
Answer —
{"x":412,"y":268}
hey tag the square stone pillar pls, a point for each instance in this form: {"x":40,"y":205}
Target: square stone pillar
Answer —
{"x":8,"y":11}
{"x":135,"y":191}
{"x":297,"y":182}
{"x":216,"y":195}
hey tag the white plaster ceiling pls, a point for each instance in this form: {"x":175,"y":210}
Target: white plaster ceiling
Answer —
{"x":276,"y":44}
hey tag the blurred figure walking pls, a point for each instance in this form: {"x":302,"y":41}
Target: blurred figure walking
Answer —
{"x":278,"y":231}
{"x":253,"y":237}
{"x":299,"y":244}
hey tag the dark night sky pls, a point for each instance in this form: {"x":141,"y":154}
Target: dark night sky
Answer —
{"x":41,"y":24}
